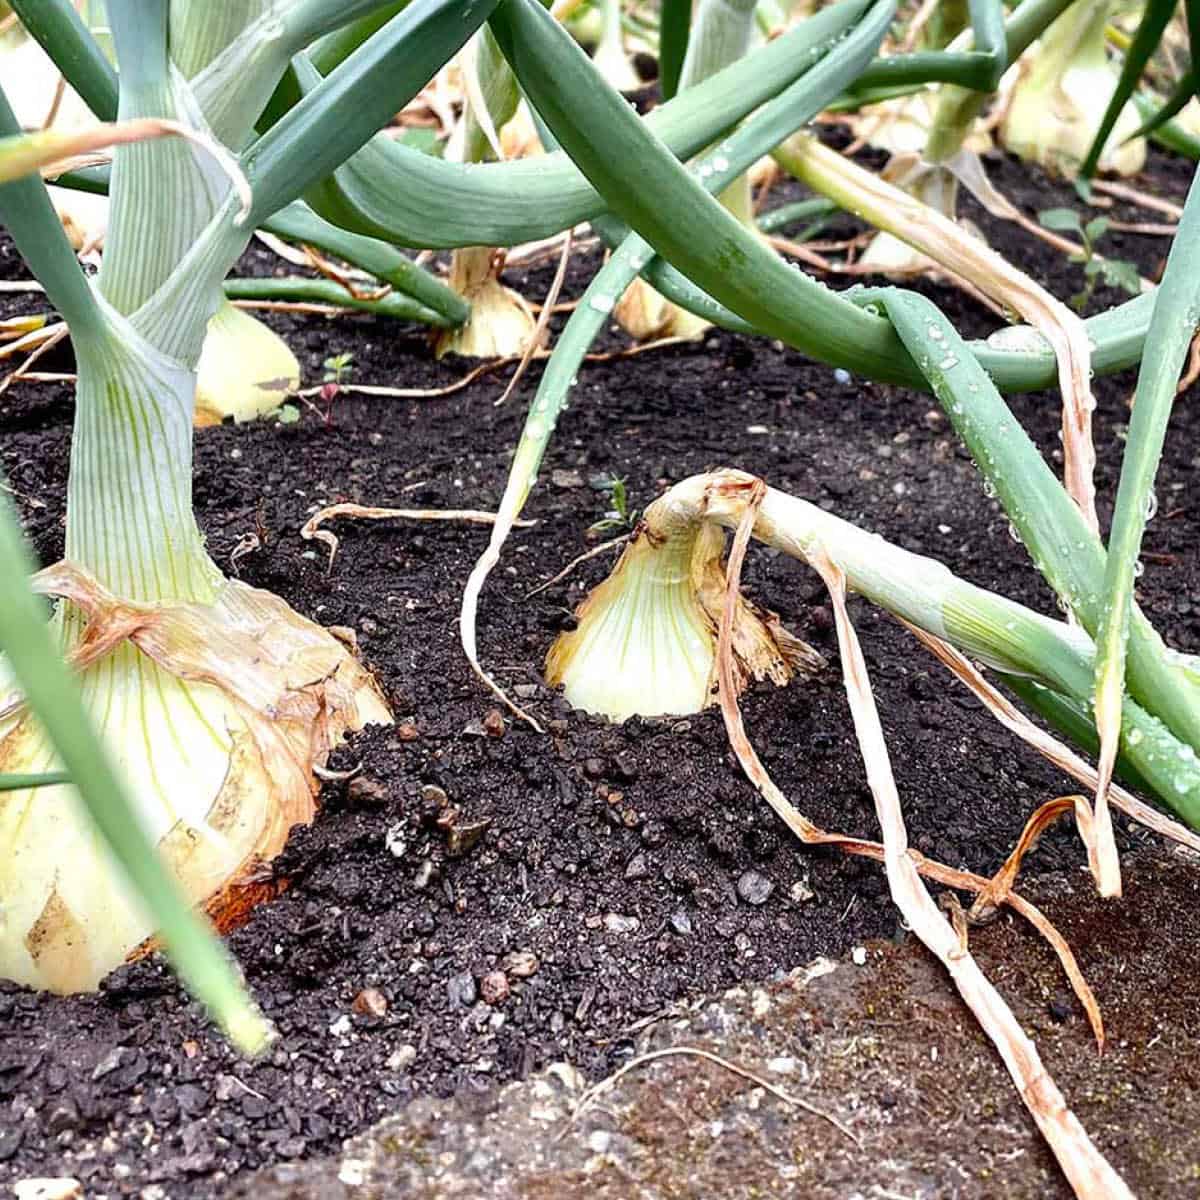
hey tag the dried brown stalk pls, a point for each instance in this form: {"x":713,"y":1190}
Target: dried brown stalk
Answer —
{"x":1089,"y":1173}
{"x":543,"y":321}
{"x":312,"y":527}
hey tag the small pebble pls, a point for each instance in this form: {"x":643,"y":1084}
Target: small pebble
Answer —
{"x":754,"y":887}
{"x":402,"y":1057}
{"x":841,"y":375}
{"x":1060,"y":1011}
{"x":407,"y":732}
{"x":618,"y":923}
{"x":369,"y":793}
{"x":370,"y":1002}
{"x":681,"y":923}
{"x":493,"y":723}
{"x":859,"y":956}
{"x":800,"y":892}
{"x":521,"y":963}
{"x":461,"y":989}
{"x":638,"y":867}
{"x":395,"y":841}
{"x":494,"y":987}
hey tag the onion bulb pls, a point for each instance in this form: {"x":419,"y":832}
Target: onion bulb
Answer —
{"x":245,"y":369}
{"x":1056,"y":108}
{"x":501,"y":323}
{"x":215,"y":716}
{"x":646,"y":639}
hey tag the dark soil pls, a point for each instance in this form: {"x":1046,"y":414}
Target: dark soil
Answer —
{"x":609,"y":883}
{"x":879,"y":1044}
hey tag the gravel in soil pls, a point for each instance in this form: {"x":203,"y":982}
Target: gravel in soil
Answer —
{"x":479,"y":901}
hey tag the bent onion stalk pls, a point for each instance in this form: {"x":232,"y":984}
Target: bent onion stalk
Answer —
{"x":721,"y":34}
{"x":654,"y":606}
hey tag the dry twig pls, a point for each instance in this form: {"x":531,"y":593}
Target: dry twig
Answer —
{"x":590,"y":1096}
{"x":312,"y":527}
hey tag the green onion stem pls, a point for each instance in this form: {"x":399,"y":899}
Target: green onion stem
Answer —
{"x":295,"y":289}
{"x":799,"y":210}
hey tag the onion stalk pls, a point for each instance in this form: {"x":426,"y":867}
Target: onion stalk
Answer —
{"x":501,"y":323}
{"x":721,"y":34}
{"x":610,"y":56}
{"x":628,"y":653}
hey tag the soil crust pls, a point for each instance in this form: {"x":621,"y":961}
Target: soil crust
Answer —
{"x":471,"y":908}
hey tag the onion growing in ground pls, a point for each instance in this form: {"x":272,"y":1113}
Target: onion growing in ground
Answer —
{"x":501,"y":324}
{"x":245,"y":370}
{"x":215,"y":699}
{"x":1057,"y":106}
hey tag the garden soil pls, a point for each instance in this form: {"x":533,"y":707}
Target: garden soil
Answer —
{"x":480,"y":902}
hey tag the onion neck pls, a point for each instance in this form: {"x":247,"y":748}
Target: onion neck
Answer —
{"x":129,"y":503}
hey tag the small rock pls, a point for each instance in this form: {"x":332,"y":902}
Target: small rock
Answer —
{"x":341,"y":1026}
{"x":521,"y":963}
{"x":800,"y":892}
{"x":681,"y":923}
{"x":461,"y":990}
{"x":407,"y":732}
{"x":594,"y":768}
{"x":858,"y":956}
{"x":1060,"y":1010}
{"x":370,"y":1002}
{"x":493,"y":723}
{"x":401,"y":1058}
{"x":462,"y":839}
{"x":48,"y":1189}
{"x":369,"y":793}
{"x":494,"y":987}
{"x":434,"y":795}
{"x":627,"y":766}
{"x":108,"y":1064}
{"x":526,"y":691}
{"x":638,"y":867}
{"x":654,"y":833}
{"x":63,"y":1116}
{"x":395,"y":841}
{"x":424,"y":875}
{"x":754,"y":887}
{"x":566,"y":479}
{"x":619,"y":923}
